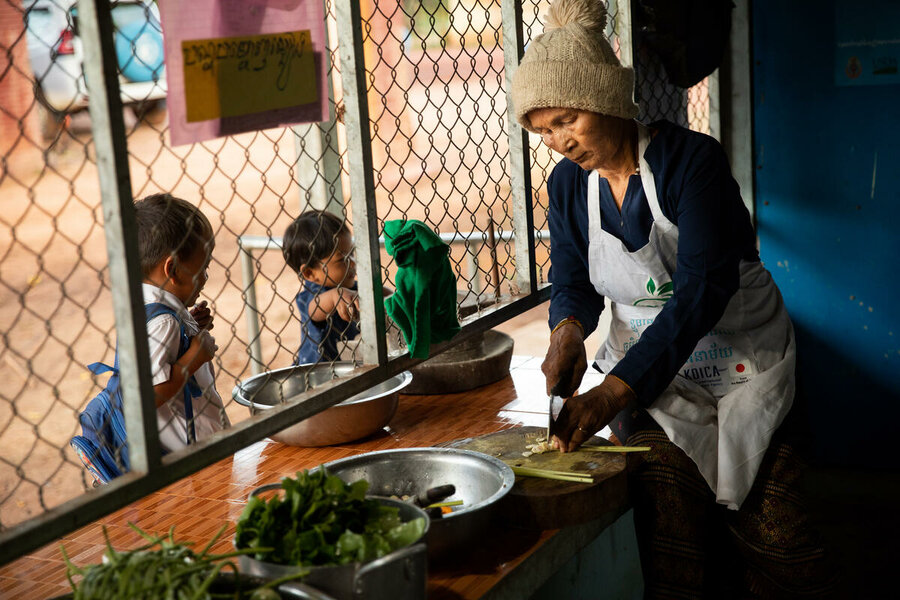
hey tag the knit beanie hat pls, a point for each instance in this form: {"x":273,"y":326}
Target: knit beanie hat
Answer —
{"x":572,"y":65}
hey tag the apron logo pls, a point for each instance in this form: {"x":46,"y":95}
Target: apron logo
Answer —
{"x":657,"y":297}
{"x":741,"y":372}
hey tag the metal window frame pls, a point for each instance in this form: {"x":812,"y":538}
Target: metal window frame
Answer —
{"x":150,"y":471}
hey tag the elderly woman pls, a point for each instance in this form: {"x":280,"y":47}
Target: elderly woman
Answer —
{"x":700,"y":356}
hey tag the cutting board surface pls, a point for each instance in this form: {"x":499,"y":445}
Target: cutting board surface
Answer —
{"x":547,"y":503}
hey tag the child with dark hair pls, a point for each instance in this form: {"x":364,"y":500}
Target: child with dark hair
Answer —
{"x":175,"y":243}
{"x":319,"y":248}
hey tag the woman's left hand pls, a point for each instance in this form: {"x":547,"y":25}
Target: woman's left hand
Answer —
{"x":584,"y":415}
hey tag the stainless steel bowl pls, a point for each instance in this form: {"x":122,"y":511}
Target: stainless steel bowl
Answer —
{"x":480,"y":481}
{"x":401,"y":574}
{"x":352,"y":419}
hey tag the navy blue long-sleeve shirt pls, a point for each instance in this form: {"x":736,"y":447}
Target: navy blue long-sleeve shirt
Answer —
{"x":319,"y":339}
{"x":698,"y":194}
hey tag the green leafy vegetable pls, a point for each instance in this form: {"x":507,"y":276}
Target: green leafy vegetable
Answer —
{"x":320,"y":520}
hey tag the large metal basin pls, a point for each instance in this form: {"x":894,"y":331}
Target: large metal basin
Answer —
{"x":401,"y":574}
{"x":353,"y":419}
{"x":480,"y":481}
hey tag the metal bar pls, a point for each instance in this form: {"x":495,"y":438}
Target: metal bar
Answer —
{"x":120,"y":228}
{"x":715,"y":108}
{"x":519,"y":154}
{"x":737,"y":103}
{"x":492,"y":247}
{"x":307,"y":166}
{"x":248,"y":274}
{"x":331,"y":153}
{"x":331,"y":166}
{"x":472,"y":263}
{"x":373,"y":345}
{"x":317,"y":167}
{"x":624,"y":23}
{"x":247,"y":243}
{"x":262,"y":242}
{"x":30,"y":535}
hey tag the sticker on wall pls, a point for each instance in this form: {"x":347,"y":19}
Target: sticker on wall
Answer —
{"x":867,"y":37}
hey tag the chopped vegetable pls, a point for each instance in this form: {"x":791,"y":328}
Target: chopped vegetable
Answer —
{"x":446,"y":504}
{"x":163,"y":568}
{"x":539,"y":446}
{"x":320,"y":520}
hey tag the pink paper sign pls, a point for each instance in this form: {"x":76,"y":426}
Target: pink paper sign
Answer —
{"x":243,"y":65}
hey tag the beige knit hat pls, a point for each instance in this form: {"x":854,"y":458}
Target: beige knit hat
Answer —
{"x":572,"y":65}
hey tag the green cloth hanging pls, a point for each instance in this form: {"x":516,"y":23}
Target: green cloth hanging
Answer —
{"x":424,"y":305}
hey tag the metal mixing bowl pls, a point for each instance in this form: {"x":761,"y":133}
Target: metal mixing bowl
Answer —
{"x":352,"y":419}
{"x":480,"y":481}
{"x":400,"y":574}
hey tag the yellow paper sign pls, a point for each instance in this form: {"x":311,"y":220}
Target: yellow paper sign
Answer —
{"x":234,"y":76}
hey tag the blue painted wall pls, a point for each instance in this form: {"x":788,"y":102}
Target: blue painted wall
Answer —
{"x":828,"y":216}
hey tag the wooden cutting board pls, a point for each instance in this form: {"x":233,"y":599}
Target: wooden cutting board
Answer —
{"x":550,"y":504}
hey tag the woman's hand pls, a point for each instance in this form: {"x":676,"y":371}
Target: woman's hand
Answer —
{"x":584,"y":415}
{"x":566,"y":361}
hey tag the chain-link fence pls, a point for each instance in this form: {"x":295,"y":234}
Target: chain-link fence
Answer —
{"x":437,"y":136}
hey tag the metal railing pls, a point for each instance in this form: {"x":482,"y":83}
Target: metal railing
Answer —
{"x":249,"y":243}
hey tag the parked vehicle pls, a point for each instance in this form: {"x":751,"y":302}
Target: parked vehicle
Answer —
{"x":56,"y":54}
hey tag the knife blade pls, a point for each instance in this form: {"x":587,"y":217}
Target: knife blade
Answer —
{"x":553,"y":410}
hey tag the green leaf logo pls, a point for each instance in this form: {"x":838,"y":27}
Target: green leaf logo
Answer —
{"x":657,"y":297}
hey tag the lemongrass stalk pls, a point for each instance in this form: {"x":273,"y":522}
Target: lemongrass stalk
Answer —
{"x":616,"y":448}
{"x":545,"y":474}
{"x":581,"y":474}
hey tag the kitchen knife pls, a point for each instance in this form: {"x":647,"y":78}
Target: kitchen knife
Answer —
{"x":553,"y":410}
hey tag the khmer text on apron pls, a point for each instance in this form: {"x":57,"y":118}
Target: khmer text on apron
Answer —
{"x":737,"y":386}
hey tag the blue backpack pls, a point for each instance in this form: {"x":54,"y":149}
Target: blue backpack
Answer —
{"x":103,"y":446}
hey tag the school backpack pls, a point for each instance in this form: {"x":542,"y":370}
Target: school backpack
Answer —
{"x":103,"y":444}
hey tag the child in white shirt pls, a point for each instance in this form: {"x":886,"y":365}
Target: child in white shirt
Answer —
{"x":175,"y":242}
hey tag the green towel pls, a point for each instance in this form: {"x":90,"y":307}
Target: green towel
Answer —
{"x":424,"y":305}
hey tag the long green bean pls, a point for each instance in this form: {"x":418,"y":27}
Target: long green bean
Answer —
{"x":162,"y":568}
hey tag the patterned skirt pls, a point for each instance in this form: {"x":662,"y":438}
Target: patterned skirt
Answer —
{"x":691,"y":547}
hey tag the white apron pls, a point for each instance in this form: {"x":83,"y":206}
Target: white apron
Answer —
{"x":737,"y":386}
